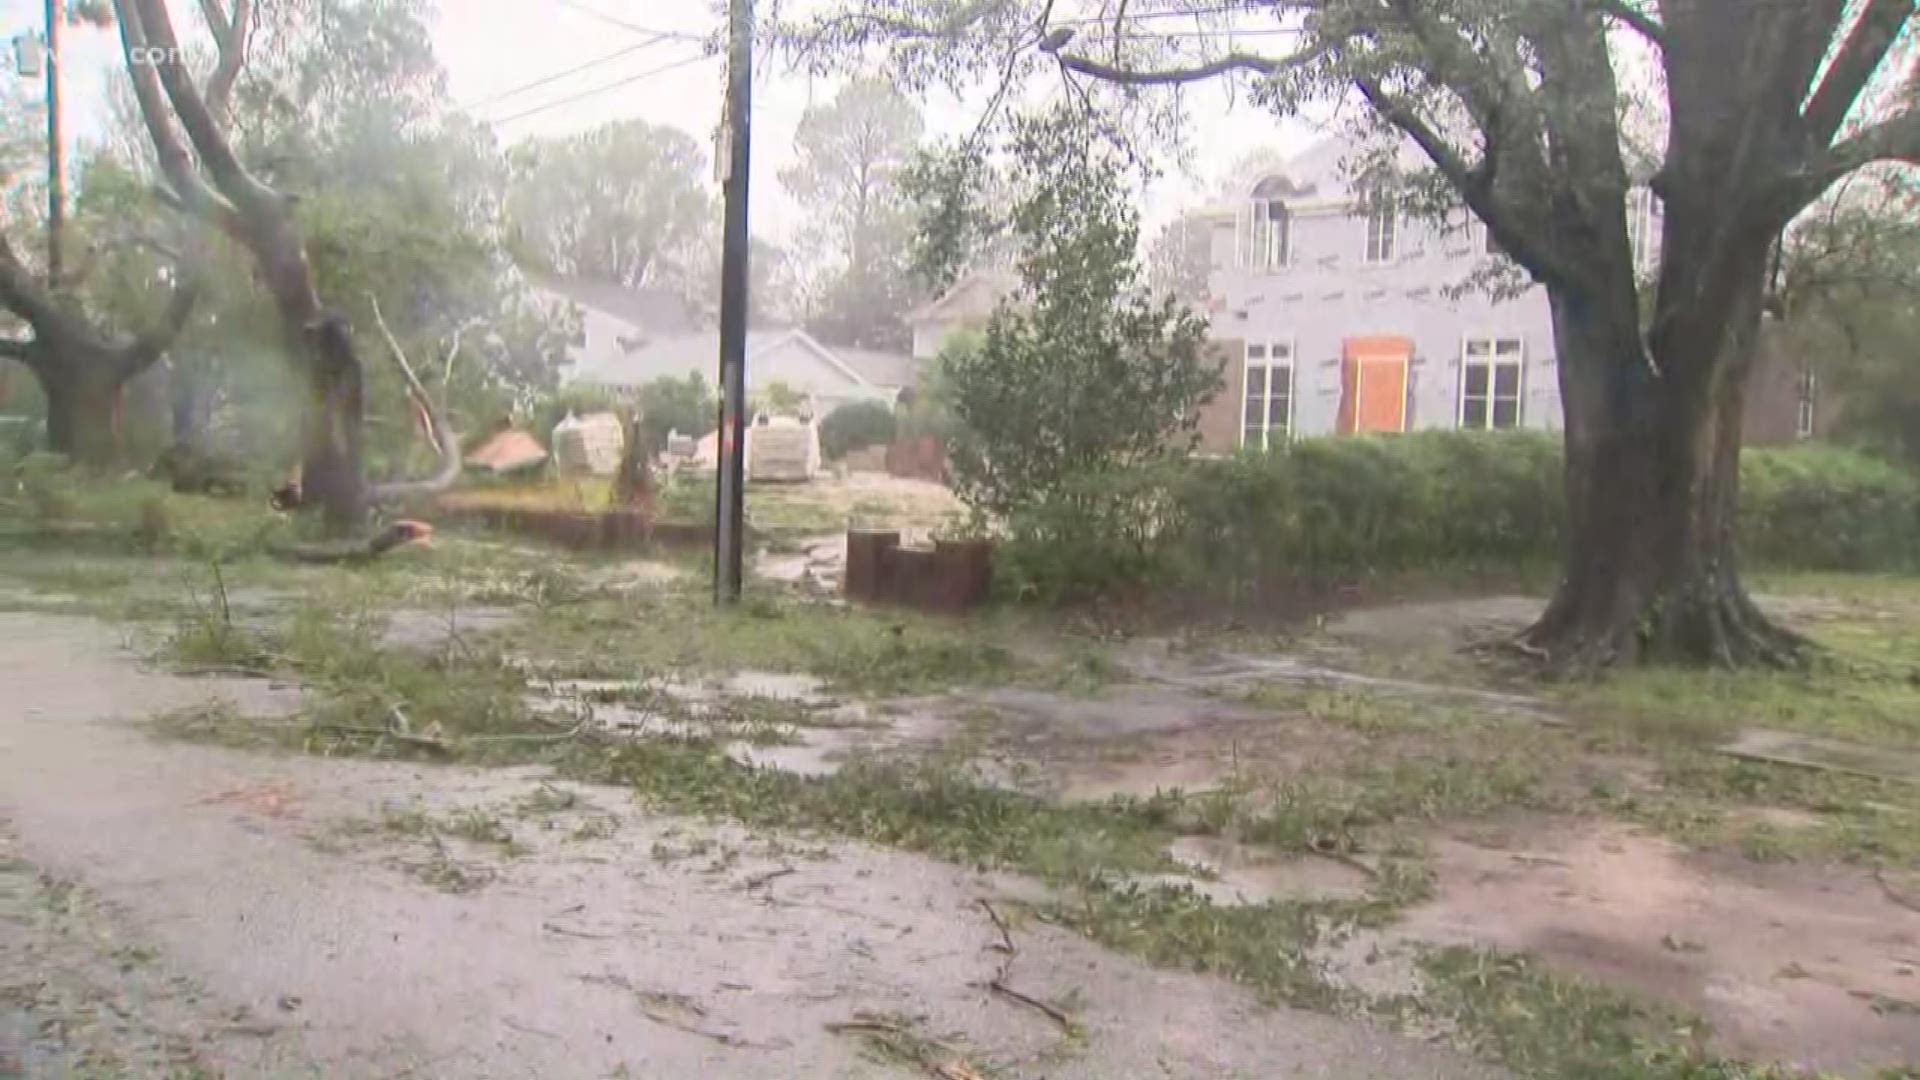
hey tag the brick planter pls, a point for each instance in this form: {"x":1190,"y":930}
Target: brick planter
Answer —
{"x":952,"y":577}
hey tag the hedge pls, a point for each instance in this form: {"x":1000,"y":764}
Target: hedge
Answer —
{"x":1326,"y":510}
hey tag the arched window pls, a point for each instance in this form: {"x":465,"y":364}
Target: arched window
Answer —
{"x":1268,"y":233}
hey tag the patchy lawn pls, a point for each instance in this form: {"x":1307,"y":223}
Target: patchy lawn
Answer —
{"x":1369,"y":817}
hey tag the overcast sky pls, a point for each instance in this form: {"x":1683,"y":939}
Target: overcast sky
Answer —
{"x":492,"y":50}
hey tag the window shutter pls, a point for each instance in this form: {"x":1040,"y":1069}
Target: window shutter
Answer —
{"x":1243,"y":237}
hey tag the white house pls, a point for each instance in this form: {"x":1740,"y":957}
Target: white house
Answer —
{"x":632,"y":337}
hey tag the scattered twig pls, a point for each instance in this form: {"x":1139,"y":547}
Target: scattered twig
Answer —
{"x":1335,"y":855}
{"x":757,"y":880}
{"x":1894,"y":894}
{"x":1067,"y":1023}
{"x":237,"y":670}
{"x":422,"y":741}
{"x":1006,"y":937}
{"x":555,"y":928}
{"x":573,"y":732}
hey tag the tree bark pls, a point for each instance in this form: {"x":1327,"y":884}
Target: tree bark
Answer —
{"x":1651,"y":572}
{"x":83,"y":412}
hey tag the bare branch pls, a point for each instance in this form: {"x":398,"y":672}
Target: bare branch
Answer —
{"x":1866,"y":47}
{"x":442,"y":438}
{"x":232,"y":35}
{"x":1642,"y":23}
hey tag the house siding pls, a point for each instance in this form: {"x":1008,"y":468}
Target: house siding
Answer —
{"x":1329,"y":293}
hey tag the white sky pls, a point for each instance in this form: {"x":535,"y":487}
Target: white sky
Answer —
{"x":493,"y":47}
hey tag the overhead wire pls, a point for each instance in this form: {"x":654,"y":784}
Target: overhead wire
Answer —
{"x":595,"y":91}
{"x":548,"y":80}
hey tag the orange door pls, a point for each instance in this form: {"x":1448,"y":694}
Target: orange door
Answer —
{"x":1373,"y":384}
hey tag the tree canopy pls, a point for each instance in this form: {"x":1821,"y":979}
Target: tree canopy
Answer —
{"x":850,"y":155}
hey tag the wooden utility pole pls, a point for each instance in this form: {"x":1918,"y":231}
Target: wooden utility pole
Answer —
{"x":56,"y":145}
{"x":729,"y":532}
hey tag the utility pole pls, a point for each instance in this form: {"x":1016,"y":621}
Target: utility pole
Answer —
{"x":56,"y":145}
{"x":731,"y":520}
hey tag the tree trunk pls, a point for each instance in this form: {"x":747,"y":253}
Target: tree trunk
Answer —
{"x":1652,"y":479}
{"x":191,"y":399}
{"x":83,"y":413}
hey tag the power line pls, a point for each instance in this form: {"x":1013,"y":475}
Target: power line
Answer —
{"x":559,"y":75}
{"x":629,"y":80}
{"x":614,"y":20}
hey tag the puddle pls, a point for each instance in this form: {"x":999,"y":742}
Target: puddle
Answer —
{"x":1251,"y":875}
{"x":414,"y":628}
{"x":1247,"y":672}
{"x":1811,"y":965}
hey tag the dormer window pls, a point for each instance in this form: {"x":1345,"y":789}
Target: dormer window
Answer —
{"x":1268,"y":234}
{"x":1383,"y":228}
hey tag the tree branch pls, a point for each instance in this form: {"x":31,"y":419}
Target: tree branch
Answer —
{"x":146,"y":348}
{"x":1865,"y":49}
{"x":443,"y":440}
{"x":1474,"y":183}
{"x":203,"y":131}
{"x":23,"y":293}
{"x":232,"y":34}
{"x":1231,"y":62}
{"x":1640,"y":21}
{"x":186,"y":188}
{"x":1894,"y":139}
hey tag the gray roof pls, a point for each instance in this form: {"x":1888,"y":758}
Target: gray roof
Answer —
{"x":889,"y":369}
{"x":657,"y":310}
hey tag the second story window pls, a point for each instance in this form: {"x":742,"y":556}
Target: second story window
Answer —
{"x":1267,"y":239}
{"x":1383,"y":229}
{"x":1272,"y":234}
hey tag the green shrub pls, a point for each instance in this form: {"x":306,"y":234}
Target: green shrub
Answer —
{"x":1322,"y":511}
{"x":855,"y":426}
{"x":1821,"y":508}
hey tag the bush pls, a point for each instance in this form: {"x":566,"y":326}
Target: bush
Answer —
{"x":1322,"y":511}
{"x":1821,"y":508}
{"x":855,"y":426}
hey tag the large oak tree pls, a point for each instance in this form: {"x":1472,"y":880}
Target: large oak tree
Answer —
{"x":1517,"y":105}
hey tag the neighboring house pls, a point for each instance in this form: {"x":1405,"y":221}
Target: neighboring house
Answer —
{"x":790,"y":357}
{"x":630,"y":337}
{"x":614,"y":316}
{"x":966,"y":306}
{"x":1335,"y":314}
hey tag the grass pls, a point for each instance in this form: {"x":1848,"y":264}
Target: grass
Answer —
{"x":851,"y":649}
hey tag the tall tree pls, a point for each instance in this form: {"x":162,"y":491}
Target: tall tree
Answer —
{"x":627,"y":203}
{"x":206,"y":177}
{"x":1516,"y":106}
{"x":850,"y":154}
{"x":79,"y":360}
